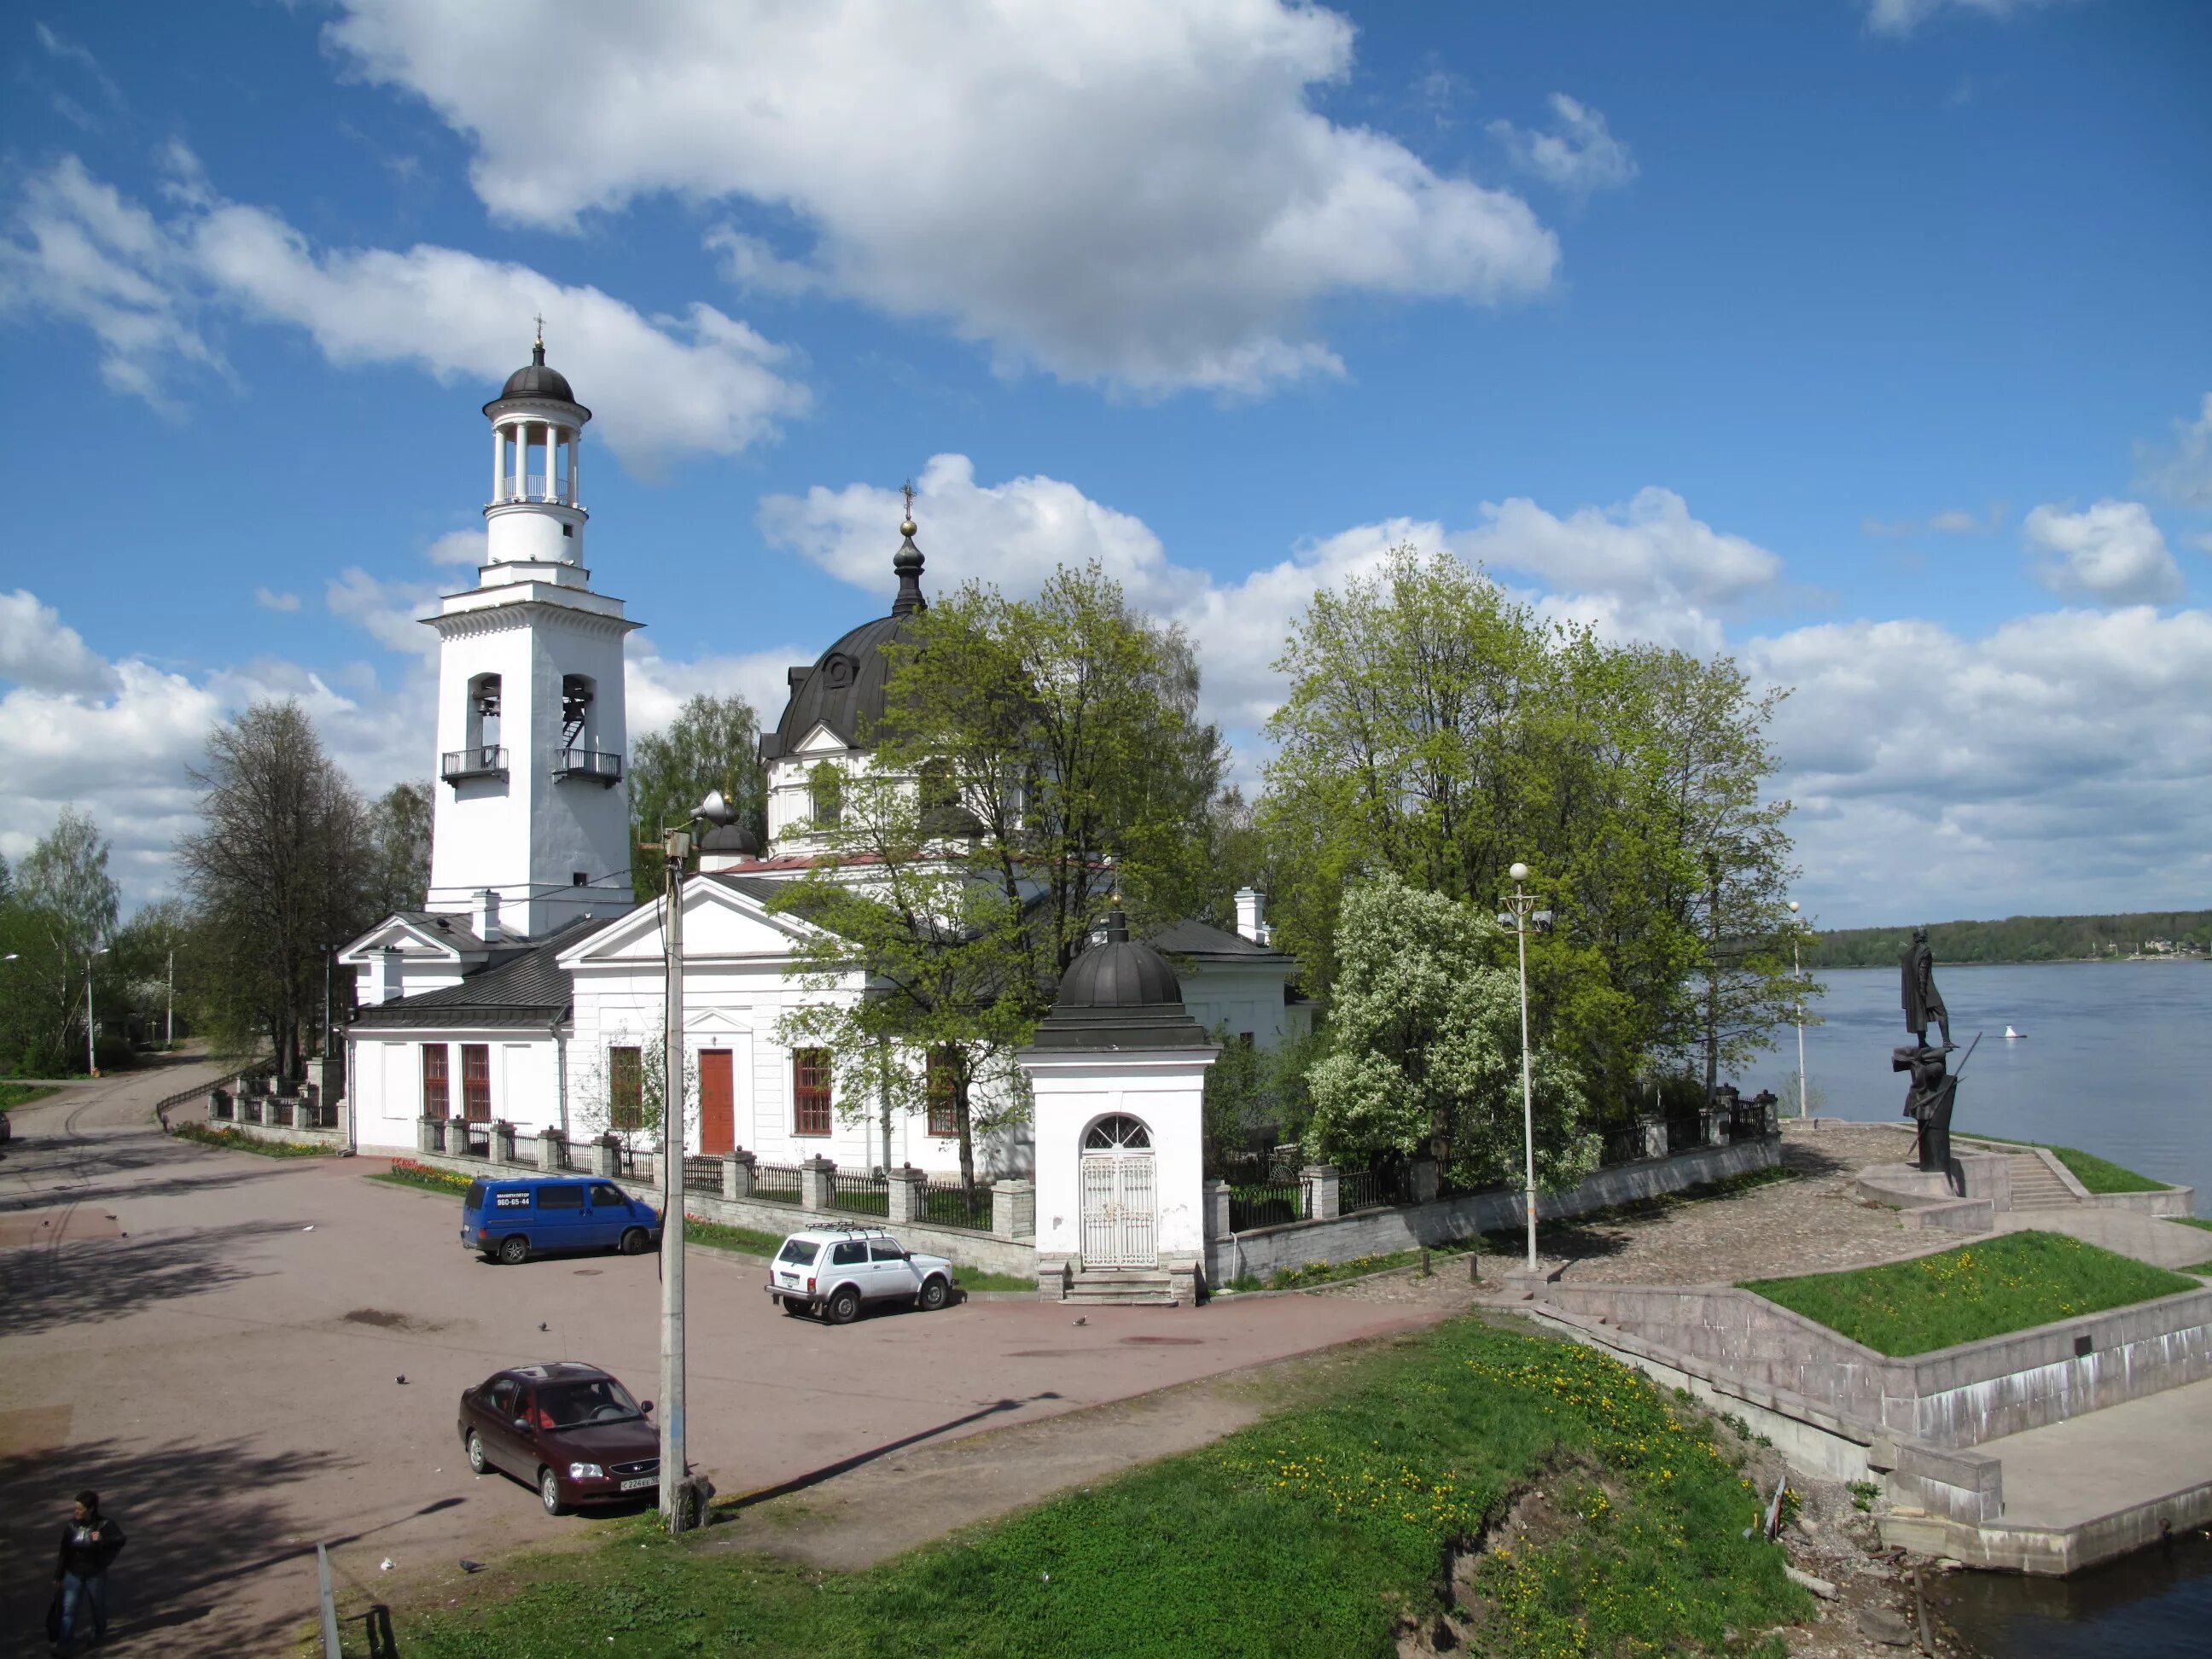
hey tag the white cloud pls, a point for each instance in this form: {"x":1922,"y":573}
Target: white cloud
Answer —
{"x":1141,"y":194}
{"x":662,"y":386}
{"x":1579,"y":156}
{"x":2183,"y":473}
{"x":69,"y":51}
{"x":1951,"y":521}
{"x":2056,"y":764}
{"x":41,"y":654}
{"x":1902,"y":17}
{"x":2110,"y":553}
{"x":457,"y":547}
{"x":390,"y":612}
{"x":1644,"y":569}
{"x":268,"y":599}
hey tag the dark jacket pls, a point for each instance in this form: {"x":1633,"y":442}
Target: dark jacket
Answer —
{"x":87,"y":1551}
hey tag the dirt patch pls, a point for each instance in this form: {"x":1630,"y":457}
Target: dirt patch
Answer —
{"x":1162,"y":1341}
{"x":384,"y":1319}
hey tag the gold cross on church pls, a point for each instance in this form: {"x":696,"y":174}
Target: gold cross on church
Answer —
{"x":540,"y":320}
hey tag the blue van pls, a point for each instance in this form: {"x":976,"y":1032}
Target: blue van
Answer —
{"x":538,"y":1215}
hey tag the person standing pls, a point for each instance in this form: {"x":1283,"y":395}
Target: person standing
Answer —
{"x":90,"y":1543}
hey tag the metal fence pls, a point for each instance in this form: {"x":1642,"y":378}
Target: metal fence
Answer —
{"x":948,"y":1204}
{"x":468,"y":1138}
{"x":776,"y":1183}
{"x":1623,"y":1144}
{"x":1266,"y":1204}
{"x":703,"y":1175}
{"x":1373,"y":1189}
{"x":862,"y":1194}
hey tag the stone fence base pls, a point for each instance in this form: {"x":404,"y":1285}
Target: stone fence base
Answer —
{"x":1265,"y":1251}
{"x":958,"y":1245}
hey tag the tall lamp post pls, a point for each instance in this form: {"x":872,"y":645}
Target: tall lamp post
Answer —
{"x":91,"y":1052}
{"x":1797,"y":973}
{"x":1521,"y":919}
{"x":675,"y":850}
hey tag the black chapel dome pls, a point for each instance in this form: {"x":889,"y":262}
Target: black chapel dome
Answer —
{"x":1120,"y":994}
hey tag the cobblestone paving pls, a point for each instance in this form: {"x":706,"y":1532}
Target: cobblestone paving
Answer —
{"x":1810,"y":1224}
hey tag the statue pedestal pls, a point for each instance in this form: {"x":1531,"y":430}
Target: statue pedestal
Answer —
{"x":1904,"y":1184}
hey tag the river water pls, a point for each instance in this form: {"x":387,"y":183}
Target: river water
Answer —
{"x":2117,"y":1059}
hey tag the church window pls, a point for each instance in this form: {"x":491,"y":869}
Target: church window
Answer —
{"x":475,"y":1082}
{"x":827,"y":786}
{"x":938,"y":791}
{"x":810,"y":1088}
{"x":943,"y":1106}
{"x":437,"y":1098}
{"x":568,"y":530}
{"x":625,"y":1088}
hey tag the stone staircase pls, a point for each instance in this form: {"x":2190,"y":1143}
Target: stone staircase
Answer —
{"x":1148,"y":1287}
{"x":2035,"y":1187}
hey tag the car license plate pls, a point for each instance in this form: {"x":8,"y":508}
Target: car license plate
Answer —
{"x":640,"y":1483}
{"x":788,"y":1279}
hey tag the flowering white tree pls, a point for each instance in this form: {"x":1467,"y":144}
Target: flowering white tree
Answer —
{"x":1425,"y":1048}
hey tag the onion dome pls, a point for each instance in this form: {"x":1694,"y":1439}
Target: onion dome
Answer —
{"x":1120,"y":994}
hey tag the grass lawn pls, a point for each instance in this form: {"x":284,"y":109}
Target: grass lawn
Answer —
{"x":13,"y":1095}
{"x":2011,"y":1283}
{"x":976,"y":1278}
{"x":2097,"y":1174}
{"x":738,"y":1240}
{"x":1308,"y":1533}
{"x":238,"y":1143}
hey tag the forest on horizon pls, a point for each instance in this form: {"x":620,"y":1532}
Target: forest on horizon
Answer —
{"x":2020,"y":939}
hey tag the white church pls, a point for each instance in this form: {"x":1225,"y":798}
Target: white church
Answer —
{"x":528,"y":987}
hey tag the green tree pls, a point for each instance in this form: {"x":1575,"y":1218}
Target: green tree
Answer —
{"x":946,"y":959}
{"x":1067,"y":726}
{"x":713,"y":742}
{"x":279,"y":871}
{"x":1437,"y":730}
{"x":1424,"y":1055}
{"x":63,"y":909}
{"x":400,"y":846}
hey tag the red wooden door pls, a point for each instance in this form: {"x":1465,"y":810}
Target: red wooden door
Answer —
{"x":717,"y":1112}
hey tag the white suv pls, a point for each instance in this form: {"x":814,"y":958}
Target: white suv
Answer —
{"x":834,"y":1270}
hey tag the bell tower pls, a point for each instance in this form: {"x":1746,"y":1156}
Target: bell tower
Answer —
{"x":531,"y":828}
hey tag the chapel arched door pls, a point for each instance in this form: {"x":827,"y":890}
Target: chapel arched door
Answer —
{"x":1120,"y":1211}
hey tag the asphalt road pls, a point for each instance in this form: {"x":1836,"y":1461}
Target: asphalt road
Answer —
{"x":215,"y":1341}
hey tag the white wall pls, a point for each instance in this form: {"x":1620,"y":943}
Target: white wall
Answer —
{"x":1162,"y":1088}
{"x":1242,"y":1000}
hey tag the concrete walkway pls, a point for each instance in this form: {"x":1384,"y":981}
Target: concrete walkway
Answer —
{"x":2146,"y":1238}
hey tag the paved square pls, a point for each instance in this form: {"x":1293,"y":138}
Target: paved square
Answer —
{"x":214,"y":1341}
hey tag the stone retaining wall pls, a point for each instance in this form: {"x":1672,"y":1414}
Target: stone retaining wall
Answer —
{"x":1953,"y":1398}
{"x":1266,"y":1251}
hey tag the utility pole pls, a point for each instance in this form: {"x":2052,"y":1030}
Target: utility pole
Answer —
{"x":91,"y":1052}
{"x":674,"y":1470}
{"x":169,"y":1016}
{"x":1521,"y":918}
{"x":1797,"y":973}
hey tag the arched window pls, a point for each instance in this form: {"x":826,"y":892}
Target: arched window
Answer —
{"x":483,"y":718}
{"x":826,"y":791}
{"x":1118,"y":1134}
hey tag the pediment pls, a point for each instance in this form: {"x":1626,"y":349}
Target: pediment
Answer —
{"x":410,"y":937}
{"x":717,"y":923}
{"x":821,"y":741}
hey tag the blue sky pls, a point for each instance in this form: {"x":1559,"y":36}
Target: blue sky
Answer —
{"x":1864,"y":339}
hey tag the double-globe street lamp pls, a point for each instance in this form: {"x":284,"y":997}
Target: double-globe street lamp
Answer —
{"x":1520,"y":920}
{"x":677,"y":1500}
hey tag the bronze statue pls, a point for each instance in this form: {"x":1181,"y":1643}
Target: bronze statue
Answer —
{"x":1929,"y":1103}
{"x":1922,"y":1000}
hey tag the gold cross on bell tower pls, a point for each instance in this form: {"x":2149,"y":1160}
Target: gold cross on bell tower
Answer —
{"x":907,"y":489}
{"x":540,"y":320}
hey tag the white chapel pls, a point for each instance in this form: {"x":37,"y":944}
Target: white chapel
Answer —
{"x":528,"y":986}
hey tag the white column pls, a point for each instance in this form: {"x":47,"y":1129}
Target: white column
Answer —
{"x":498,"y":459}
{"x":521,"y":458}
{"x":576,"y":467}
{"x":552,"y":462}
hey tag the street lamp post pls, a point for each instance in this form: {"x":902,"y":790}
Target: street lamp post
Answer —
{"x":1521,"y":918}
{"x":1797,"y":973}
{"x":675,"y":1471}
{"x":91,"y":1052}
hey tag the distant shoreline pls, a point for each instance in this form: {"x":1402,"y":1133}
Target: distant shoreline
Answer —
{"x":2021,"y":962}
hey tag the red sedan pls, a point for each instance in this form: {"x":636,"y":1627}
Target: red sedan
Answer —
{"x":567,"y":1429}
